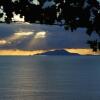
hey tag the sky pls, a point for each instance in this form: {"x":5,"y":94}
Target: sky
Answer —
{"x":18,"y":37}
{"x":98,"y":0}
{"x":32,"y":1}
{"x":36,"y":37}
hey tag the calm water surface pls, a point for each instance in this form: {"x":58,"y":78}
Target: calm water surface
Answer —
{"x":50,"y":78}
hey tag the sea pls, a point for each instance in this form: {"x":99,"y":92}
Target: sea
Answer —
{"x":50,"y":78}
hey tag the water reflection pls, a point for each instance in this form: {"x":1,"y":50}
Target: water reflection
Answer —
{"x":49,"y":78}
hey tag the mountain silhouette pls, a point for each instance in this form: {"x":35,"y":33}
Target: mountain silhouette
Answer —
{"x":58,"y":53}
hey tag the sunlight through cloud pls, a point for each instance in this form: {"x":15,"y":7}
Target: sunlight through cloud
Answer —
{"x":23,"y":33}
{"x":37,"y":40}
{"x":3,"y":42}
{"x":15,"y":38}
{"x":40,"y":35}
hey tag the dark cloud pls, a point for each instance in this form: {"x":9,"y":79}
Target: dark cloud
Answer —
{"x":55,"y":37}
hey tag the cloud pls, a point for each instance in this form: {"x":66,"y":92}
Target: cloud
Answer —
{"x":15,"y":38}
{"x":23,"y":33}
{"x":3,"y":42}
{"x":35,"y":37}
{"x":40,"y":35}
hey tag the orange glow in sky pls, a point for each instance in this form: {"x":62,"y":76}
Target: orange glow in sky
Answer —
{"x":16,"y":52}
{"x":82,"y":51}
{"x":20,"y":52}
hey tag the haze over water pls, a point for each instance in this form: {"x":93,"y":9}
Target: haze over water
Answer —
{"x":50,"y":78}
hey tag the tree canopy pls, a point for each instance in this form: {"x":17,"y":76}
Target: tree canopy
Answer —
{"x":75,"y":13}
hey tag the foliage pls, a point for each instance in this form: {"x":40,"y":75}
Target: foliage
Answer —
{"x":76,"y":13}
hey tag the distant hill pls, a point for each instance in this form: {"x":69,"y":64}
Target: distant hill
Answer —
{"x":58,"y":53}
